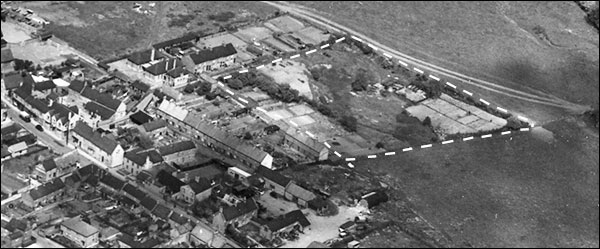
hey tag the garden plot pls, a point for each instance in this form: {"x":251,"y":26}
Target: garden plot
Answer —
{"x":302,"y":120}
{"x":276,"y":44}
{"x":312,"y":35}
{"x":13,"y":33}
{"x":284,"y":24}
{"x":453,"y":116}
{"x":292,"y":73}
{"x":301,"y":109}
{"x":253,"y":34}
{"x":280,"y":114}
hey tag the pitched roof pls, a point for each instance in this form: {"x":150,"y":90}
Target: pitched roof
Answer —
{"x":44,"y":85}
{"x":172,"y":109}
{"x":172,"y":184}
{"x":200,"y":186}
{"x":133,"y":191}
{"x":140,"y":117}
{"x":375,"y":198}
{"x":113,"y":182}
{"x":90,"y":169}
{"x":232,"y":212}
{"x":7,"y":55}
{"x":161,"y":211}
{"x":287,"y":220}
{"x":102,"y":98}
{"x":142,"y":57}
{"x":177,"y":72}
{"x":38,"y":104}
{"x":155,"y":124}
{"x":15,"y":224}
{"x":46,"y":189}
{"x":60,"y":111}
{"x":12,"y":81}
{"x":77,"y":85}
{"x":127,"y":201}
{"x":132,"y":243}
{"x":178,"y":218}
{"x":94,"y":108}
{"x":80,"y":227}
{"x":148,"y":203}
{"x":163,"y":66}
{"x":175,"y":41}
{"x":213,"y":53}
{"x":104,"y":143}
{"x":273,"y":176}
{"x":176,"y":147}
{"x":300,"y":192}
{"x":311,"y":143}
{"x":73,"y":178}
{"x":139,"y":85}
{"x":317,"y":244}
{"x":49,"y":164}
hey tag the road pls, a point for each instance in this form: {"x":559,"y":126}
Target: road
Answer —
{"x":533,"y":96}
{"x":45,"y":136}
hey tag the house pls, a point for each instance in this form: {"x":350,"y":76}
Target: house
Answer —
{"x":80,"y":232}
{"x":274,"y":180}
{"x":46,"y":171}
{"x":137,"y":160}
{"x":8,"y":61}
{"x":196,"y":190}
{"x":157,"y":72}
{"x":137,"y":59}
{"x":148,"y":203}
{"x":104,"y":149}
{"x":18,"y":149}
{"x":202,"y":236}
{"x":134,"y":192}
{"x":128,"y":241}
{"x":318,"y":204}
{"x":177,"y":77}
{"x":96,"y":115}
{"x":347,"y":226}
{"x":11,"y":185}
{"x":171,"y":183}
{"x":140,"y":117}
{"x":140,"y":87}
{"x":105,"y":100}
{"x":213,"y":137}
{"x":62,"y":118}
{"x":236,"y":215}
{"x":210,"y":59}
{"x":155,"y":127}
{"x":180,"y":152}
{"x":294,"y":220}
{"x":298,"y":194}
{"x":373,"y":199}
{"x":112,"y":182}
{"x":162,"y":212}
{"x":306,"y":145}
{"x":41,"y":195}
{"x":45,"y":87}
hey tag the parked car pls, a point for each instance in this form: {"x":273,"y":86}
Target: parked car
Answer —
{"x":39,"y":128}
{"x":343,"y":234}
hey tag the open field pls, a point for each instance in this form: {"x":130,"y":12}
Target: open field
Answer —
{"x":292,"y":73}
{"x":545,"y":46}
{"x":534,"y":189}
{"x":13,"y":33}
{"x":107,"y":29}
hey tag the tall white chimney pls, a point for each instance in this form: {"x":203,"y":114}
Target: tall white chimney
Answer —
{"x":174,"y":63}
{"x":167,"y":65}
{"x":152,"y":55}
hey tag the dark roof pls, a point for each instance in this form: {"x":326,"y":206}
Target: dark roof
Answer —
{"x":163,"y":66}
{"x":12,"y":81}
{"x":273,"y":176}
{"x":140,"y":86}
{"x":143,"y":176}
{"x":89,"y":170}
{"x":46,"y":189}
{"x":44,"y":85}
{"x":104,"y":143}
{"x":94,"y":108}
{"x":213,"y":53}
{"x":49,"y":164}
{"x":155,"y":124}
{"x":375,"y":198}
{"x":175,"y":41}
{"x":177,"y":147}
{"x":161,"y":95}
{"x":178,"y":218}
{"x":39,"y":104}
{"x":133,"y":191}
{"x":11,"y":129}
{"x":347,"y":224}
{"x":127,"y":201}
{"x":140,"y":117}
{"x":178,"y":71}
{"x":60,"y":111}
{"x":113,"y":182}
{"x":15,"y":235}
{"x":232,"y":212}
{"x":288,"y":219}
{"x":138,"y":156}
{"x":142,"y":57}
{"x":29,"y":139}
{"x":148,"y":203}
{"x":15,"y":224}
{"x":200,"y":186}
{"x":317,"y":203}
{"x":172,"y":184}
{"x":161,"y":211}
{"x":102,"y":98}
{"x":132,"y":243}
{"x":73,"y":178}
{"x":7,"y":55}
{"x":77,"y":85}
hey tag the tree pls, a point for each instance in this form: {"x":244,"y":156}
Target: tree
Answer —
{"x":145,"y":141}
{"x":380,"y":145}
{"x":513,"y":123}
{"x":349,"y":123}
{"x":427,"y":121}
{"x":23,"y":65}
{"x":235,"y":84}
{"x":204,"y":88}
{"x":189,"y":88}
{"x":248,"y":136}
{"x":361,"y":81}
{"x":211,"y":95}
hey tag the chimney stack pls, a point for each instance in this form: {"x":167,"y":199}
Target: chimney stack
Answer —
{"x":152,"y":55}
{"x":174,"y":63}
{"x":167,"y":65}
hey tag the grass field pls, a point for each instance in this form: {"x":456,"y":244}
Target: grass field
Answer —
{"x":491,"y":40}
{"x":106,"y":29}
{"x":528,"y":190}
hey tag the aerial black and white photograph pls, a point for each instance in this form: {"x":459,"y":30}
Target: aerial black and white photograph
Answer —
{"x":300,"y":124}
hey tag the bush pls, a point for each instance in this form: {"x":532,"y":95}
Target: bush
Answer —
{"x":211,"y":95}
{"x":349,"y":123}
{"x":427,"y":122}
{"x":361,"y":81}
{"x":380,"y":145}
{"x":189,"y":88}
{"x":222,"y":17}
{"x":235,"y":84}
{"x":180,"y":20}
{"x":204,"y":88}
{"x":23,"y":65}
